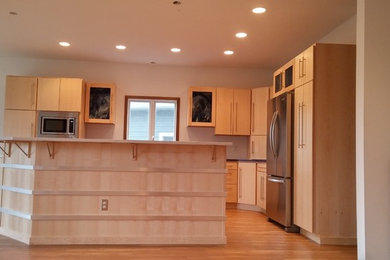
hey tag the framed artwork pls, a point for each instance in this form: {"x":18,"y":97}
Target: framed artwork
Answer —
{"x":201,"y":106}
{"x":100,"y":103}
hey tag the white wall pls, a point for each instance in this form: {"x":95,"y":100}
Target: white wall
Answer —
{"x":144,"y":80}
{"x":345,"y":33}
{"x":373,"y":125}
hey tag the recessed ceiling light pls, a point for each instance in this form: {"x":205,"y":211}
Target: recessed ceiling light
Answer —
{"x":228,"y":52}
{"x":241,"y":35}
{"x":120,"y":47}
{"x":64,"y":44}
{"x":175,"y":50}
{"x":258,"y":10}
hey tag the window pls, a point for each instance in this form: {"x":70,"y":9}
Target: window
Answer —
{"x":152,"y":118}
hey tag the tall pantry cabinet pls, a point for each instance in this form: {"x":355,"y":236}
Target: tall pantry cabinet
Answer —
{"x":324,"y":144}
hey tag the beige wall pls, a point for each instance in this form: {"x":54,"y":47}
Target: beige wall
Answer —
{"x":149,"y":80}
{"x":373,"y":125}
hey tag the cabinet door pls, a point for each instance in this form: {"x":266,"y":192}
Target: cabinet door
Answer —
{"x":19,"y":123}
{"x":21,"y":93}
{"x":260,"y":98}
{"x":231,"y":182}
{"x":48,"y":94}
{"x":247,"y":183}
{"x":71,"y":94}
{"x":224,"y":112}
{"x":261,"y":185}
{"x":303,"y":157}
{"x":304,"y":64}
{"x":242,"y":109}
{"x":258,"y":147}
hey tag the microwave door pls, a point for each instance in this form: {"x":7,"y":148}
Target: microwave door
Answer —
{"x":54,"y":125}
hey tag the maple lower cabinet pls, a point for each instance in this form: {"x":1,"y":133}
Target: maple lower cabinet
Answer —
{"x":247,"y":183}
{"x":20,"y":123}
{"x":233,"y":111}
{"x":231,"y":182}
{"x":21,"y":93}
{"x":60,"y":94}
{"x":324,"y":145}
{"x":261,"y":185}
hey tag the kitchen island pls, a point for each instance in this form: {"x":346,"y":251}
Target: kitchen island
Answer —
{"x":93,"y":191}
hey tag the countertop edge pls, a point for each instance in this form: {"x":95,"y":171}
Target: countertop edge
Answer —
{"x":112,"y":141}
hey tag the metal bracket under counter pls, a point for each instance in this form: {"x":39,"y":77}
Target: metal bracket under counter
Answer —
{"x":8,"y":153}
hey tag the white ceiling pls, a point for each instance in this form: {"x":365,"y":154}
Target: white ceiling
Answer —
{"x":203,"y":29}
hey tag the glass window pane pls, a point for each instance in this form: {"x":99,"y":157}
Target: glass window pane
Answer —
{"x":165,"y":121}
{"x":139,"y":120}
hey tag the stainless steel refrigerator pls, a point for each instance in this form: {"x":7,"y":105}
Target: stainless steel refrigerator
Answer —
{"x":279,"y":160}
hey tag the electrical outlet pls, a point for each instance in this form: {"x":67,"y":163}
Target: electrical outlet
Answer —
{"x":104,"y":205}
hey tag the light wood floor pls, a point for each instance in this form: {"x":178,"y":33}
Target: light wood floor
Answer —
{"x":249,"y":236}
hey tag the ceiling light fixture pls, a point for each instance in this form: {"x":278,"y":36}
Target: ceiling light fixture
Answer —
{"x":228,"y":52}
{"x":64,"y":44}
{"x":13,"y":13}
{"x":175,"y":50}
{"x":259,"y":10}
{"x":120,"y":47}
{"x":241,"y":35}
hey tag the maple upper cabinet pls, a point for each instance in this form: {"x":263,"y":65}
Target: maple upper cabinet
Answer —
{"x":324,"y":144}
{"x":304,"y":66}
{"x":260,"y":97}
{"x":21,"y":93}
{"x":60,"y":94}
{"x":71,"y":94}
{"x":258,"y":138}
{"x":233,"y":111}
{"x":19,"y":123}
{"x":283,"y":79}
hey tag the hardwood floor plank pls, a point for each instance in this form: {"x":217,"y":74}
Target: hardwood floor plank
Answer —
{"x":249,"y":236}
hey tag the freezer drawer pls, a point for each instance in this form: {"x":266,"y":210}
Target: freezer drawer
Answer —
{"x":279,"y":200}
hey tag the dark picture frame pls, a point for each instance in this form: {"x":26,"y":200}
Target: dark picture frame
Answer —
{"x":99,"y":103}
{"x":201,"y":106}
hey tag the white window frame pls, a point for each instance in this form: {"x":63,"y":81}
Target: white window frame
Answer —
{"x":152,"y":112}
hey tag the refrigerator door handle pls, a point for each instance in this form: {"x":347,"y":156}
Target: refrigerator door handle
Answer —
{"x":271,"y":136}
{"x":276,"y":135}
{"x":271,"y":179}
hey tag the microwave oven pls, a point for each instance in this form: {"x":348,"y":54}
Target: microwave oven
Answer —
{"x":57,"y":124}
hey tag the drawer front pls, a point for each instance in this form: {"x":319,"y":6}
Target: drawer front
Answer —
{"x":231,"y":195}
{"x":261,"y":167}
{"x":231,"y":165}
{"x":231,"y":177}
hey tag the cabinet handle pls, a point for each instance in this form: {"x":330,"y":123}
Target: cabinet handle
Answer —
{"x":32,"y":129}
{"x":299,"y":125}
{"x":253,"y":147}
{"x":303,"y":66}
{"x":299,"y":69}
{"x":252,"y":119}
{"x":236,"y":115}
{"x":302,"y":143}
{"x":231,"y":117}
{"x":239,"y":183}
{"x":262,"y":188}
